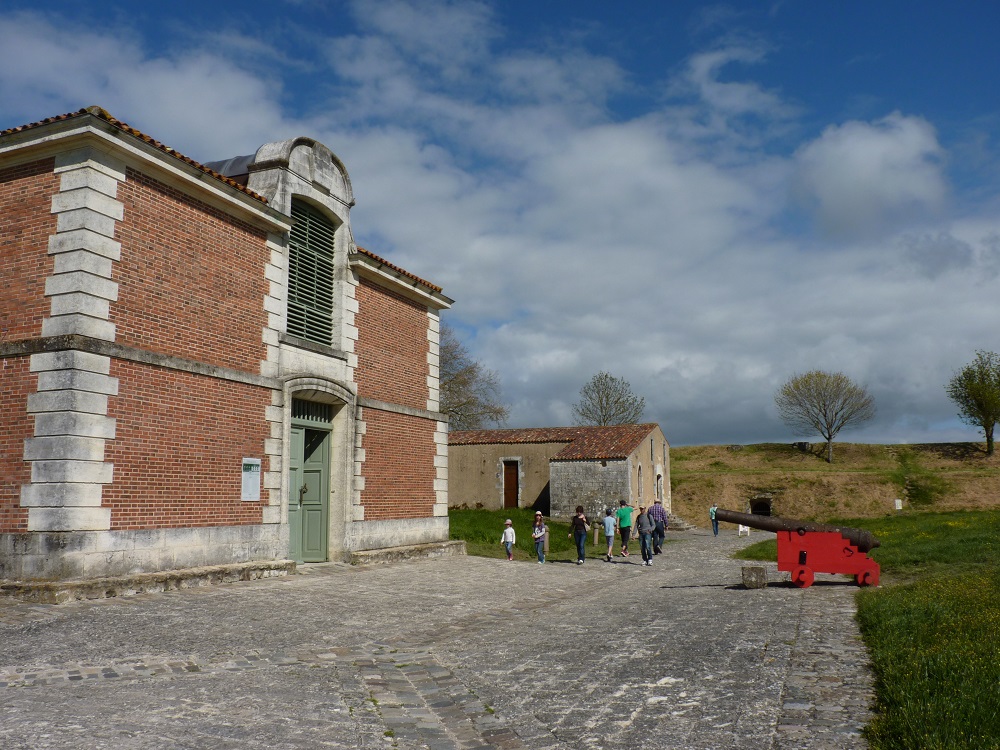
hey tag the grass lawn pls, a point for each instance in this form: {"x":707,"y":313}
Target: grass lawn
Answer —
{"x":932,"y":629}
{"x":481,"y":530}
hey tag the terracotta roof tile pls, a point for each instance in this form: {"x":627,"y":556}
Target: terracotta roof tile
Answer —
{"x":583,"y":443}
{"x":397,"y":269}
{"x":103,"y":114}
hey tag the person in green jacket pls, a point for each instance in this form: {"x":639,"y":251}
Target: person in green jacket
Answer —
{"x":624,"y":516}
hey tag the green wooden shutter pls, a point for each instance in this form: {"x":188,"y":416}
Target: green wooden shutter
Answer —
{"x":310,"y":275}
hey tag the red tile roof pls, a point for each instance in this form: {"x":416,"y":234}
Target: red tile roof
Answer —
{"x":397,"y":269}
{"x":124,"y":127}
{"x":103,"y":115}
{"x":583,"y":443}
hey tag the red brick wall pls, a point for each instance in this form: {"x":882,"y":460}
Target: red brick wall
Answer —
{"x":392,"y":347}
{"x":179,"y":443}
{"x":15,"y":385}
{"x":26,"y":222}
{"x":191,"y":279}
{"x":399,"y":466}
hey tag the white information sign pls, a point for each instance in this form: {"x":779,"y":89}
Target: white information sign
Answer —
{"x":251,"y":480}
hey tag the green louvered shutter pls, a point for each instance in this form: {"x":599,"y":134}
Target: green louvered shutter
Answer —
{"x":310,"y":275}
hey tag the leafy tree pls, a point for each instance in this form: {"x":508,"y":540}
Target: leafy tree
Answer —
{"x":976,"y":391}
{"x":607,"y":400}
{"x":470,"y":393}
{"x":823,"y":402}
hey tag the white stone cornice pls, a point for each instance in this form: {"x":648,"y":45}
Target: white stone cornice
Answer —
{"x":100,"y":139}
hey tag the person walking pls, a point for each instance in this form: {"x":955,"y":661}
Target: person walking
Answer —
{"x":509,"y":538}
{"x":609,"y":531}
{"x":579,"y":526}
{"x":715,"y":521}
{"x":538,"y":532}
{"x":658,"y":514}
{"x":644,"y":528}
{"x":624,"y":516}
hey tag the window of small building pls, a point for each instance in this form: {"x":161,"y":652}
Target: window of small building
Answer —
{"x":310,"y":274}
{"x":640,"y":482}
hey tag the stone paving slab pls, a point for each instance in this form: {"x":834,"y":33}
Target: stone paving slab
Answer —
{"x":447,"y":653}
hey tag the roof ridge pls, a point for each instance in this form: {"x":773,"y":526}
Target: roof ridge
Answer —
{"x":582,"y":441}
{"x":396,"y":268}
{"x":103,"y":114}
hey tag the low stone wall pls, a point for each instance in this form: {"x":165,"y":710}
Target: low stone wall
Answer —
{"x":397,"y":554}
{"x":58,"y":592}
{"x":68,"y":555}
{"x":405,"y":532}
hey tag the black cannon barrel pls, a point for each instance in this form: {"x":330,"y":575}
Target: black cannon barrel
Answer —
{"x":865,"y":541}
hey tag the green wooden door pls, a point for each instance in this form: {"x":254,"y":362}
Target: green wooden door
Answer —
{"x":308,"y":495}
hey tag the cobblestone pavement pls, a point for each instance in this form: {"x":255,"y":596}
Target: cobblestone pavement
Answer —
{"x":447,"y":653}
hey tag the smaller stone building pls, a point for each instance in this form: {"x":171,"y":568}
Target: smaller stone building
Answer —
{"x":555,"y":469}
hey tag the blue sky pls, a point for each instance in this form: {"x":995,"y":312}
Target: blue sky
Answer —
{"x":702,"y":198}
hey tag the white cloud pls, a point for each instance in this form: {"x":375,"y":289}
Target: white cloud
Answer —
{"x":658,"y":246}
{"x":448,"y":35}
{"x":935,"y":254}
{"x":863,"y":179}
{"x":203,"y":104}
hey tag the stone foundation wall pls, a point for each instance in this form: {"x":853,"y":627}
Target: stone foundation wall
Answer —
{"x":97,"y":554}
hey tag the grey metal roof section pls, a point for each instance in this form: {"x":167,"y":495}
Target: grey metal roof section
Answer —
{"x":237,"y":166}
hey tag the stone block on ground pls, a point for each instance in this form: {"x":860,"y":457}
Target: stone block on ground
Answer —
{"x":754,"y":576}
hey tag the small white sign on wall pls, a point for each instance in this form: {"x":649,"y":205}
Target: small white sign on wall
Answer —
{"x":251,"y":480}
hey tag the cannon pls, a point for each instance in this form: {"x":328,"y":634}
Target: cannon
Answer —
{"x":805,"y":548}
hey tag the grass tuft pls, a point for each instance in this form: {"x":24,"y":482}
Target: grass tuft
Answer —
{"x":932,"y":629}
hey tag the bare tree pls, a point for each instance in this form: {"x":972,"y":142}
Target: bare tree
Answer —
{"x":607,"y":400}
{"x":976,"y":390}
{"x":470,"y":393}
{"x":823,"y":402}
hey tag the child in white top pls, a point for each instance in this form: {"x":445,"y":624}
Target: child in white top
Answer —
{"x":508,"y":538}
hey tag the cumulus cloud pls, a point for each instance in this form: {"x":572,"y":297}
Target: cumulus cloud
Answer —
{"x":935,"y":254}
{"x":449,"y":36}
{"x":860,"y":178}
{"x":659,"y":246}
{"x":49,"y":67}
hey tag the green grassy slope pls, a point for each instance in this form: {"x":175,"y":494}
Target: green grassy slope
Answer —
{"x":863,"y":481}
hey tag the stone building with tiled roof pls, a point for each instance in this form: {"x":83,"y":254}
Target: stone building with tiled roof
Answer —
{"x":557,"y":468}
{"x":199,"y":367}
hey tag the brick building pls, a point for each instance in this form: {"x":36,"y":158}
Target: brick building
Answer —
{"x":198,"y":365}
{"x":554,"y":469}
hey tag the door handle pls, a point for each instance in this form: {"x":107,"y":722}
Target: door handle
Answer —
{"x":302,"y":491}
